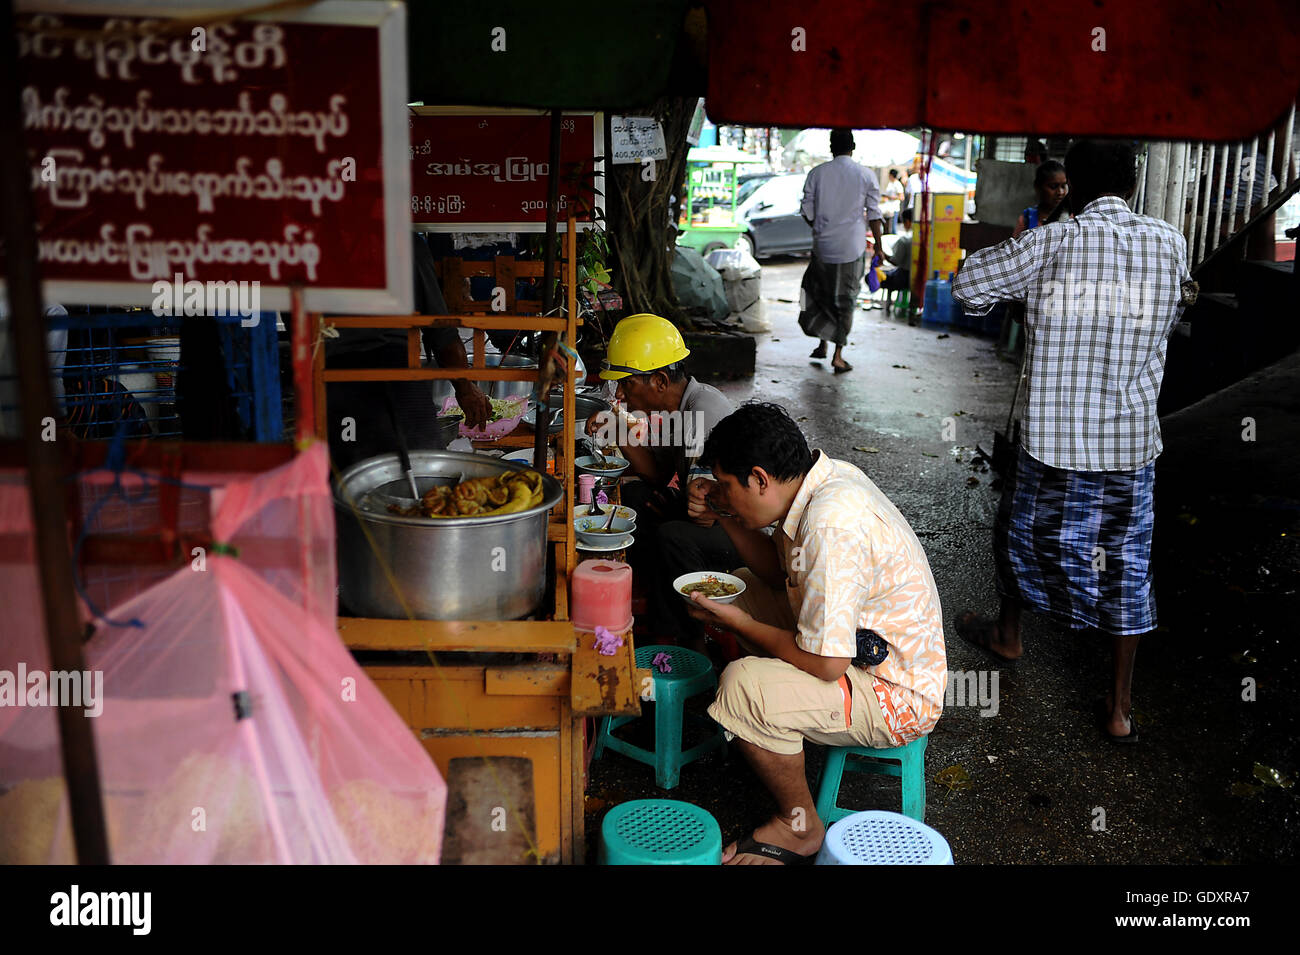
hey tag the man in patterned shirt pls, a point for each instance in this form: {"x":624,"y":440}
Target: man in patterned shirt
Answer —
{"x":839,"y":607}
{"x":1102,"y":294}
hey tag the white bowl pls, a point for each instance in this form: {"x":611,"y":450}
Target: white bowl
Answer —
{"x":619,"y":529}
{"x":685,"y":579}
{"x":625,"y":512}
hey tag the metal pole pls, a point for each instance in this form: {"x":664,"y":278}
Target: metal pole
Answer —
{"x":1157,"y":179}
{"x":548,"y":298}
{"x":1174,"y":184}
{"x":44,"y":472}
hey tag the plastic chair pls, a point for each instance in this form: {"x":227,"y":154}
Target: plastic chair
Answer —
{"x":883,"y":838}
{"x":905,"y":762}
{"x":659,"y":832}
{"x":691,"y":674}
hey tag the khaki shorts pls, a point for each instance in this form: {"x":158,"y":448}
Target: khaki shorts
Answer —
{"x":776,"y":706}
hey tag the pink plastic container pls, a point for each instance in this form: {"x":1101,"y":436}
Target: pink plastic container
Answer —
{"x":602,"y":596}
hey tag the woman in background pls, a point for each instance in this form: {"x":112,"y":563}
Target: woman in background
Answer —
{"x":1051,"y":188}
{"x":891,"y":201}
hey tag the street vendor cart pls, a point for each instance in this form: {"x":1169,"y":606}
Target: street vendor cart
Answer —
{"x":708,"y":214}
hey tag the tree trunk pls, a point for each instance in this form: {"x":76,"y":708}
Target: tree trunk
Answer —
{"x":641,"y":240}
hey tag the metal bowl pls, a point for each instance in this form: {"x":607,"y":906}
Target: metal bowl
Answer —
{"x":448,"y":428}
{"x":584,"y":406}
{"x":443,"y":389}
{"x":446,"y":568}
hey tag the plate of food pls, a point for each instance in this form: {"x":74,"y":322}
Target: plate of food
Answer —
{"x":724,"y":588}
{"x":505,"y":417}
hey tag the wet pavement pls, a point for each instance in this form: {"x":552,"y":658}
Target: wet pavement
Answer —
{"x":1028,"y":776}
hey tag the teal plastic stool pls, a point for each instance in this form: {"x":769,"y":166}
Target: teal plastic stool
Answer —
{"x":691,"y":674}
{"x":904,"y":762}
{"x":659,"y":832}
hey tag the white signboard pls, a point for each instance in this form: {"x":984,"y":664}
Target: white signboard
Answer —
{"x":635,"y":139}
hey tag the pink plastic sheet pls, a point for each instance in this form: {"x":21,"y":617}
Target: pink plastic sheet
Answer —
{"x":235,"y":726}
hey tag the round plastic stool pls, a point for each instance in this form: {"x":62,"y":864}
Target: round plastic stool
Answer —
{"x":659,"y":832}
{"x":883,"y":838}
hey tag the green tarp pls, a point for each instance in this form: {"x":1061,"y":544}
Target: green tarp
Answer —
{"x":575,"y":54}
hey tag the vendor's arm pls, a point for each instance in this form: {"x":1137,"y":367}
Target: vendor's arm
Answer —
{"x":449,"y":352}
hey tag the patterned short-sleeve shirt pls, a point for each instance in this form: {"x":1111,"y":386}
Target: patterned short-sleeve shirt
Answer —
{"x":852,"y":562}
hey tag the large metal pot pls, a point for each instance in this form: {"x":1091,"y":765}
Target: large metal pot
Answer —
{"x":457,"y":568}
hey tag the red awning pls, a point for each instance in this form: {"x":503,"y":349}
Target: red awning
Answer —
{"x":1176,"y":69}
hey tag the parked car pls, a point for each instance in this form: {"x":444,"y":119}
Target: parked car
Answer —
{"x":771,"y":219}
{"x":746,"y":184}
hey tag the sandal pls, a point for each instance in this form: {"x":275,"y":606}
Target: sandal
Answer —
{"x":751,"y":846}
{"x":1128,"y":738}
{"x":976,"y":631}
{"x":840,"y":369}
{"x":818,"y":352}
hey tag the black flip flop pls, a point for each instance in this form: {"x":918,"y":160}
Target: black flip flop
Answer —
{"x":841,"y":370}
{"x":1126,"y":740}
{"x":819,"y":354}
{"x":751,"y":846}
{"x":970,"y":630}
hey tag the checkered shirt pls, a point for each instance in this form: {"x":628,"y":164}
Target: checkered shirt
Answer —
{"x":1102,"y":293}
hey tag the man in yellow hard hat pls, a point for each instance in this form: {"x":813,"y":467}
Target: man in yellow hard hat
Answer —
{"x":645,"y":358}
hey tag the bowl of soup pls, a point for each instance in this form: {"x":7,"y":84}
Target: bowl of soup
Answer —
{"x":724,"y":588}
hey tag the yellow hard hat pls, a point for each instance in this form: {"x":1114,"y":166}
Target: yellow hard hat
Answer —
{"x":641,"y":344}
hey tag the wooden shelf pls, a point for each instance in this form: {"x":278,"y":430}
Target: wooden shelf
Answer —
{"x":486,"y":636}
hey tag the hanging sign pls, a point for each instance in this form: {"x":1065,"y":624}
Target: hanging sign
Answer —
{"x":635,"y":139}
{"x":252,"y":153}
{"x":488,"y":170}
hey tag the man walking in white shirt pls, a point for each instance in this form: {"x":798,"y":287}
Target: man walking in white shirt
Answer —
{"x":834,"y":197}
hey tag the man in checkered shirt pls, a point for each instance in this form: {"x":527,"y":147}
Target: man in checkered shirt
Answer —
{"x":1102,"y":294}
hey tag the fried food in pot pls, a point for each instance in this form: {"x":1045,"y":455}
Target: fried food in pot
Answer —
{"x":507,"y":493}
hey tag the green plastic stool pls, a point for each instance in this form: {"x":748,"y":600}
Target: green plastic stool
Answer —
{"x":691,"y":674}
{"x":904,"y":762}
{"x":659,"y":832}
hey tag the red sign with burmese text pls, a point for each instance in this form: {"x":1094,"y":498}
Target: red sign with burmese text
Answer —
{"x":488,"y":170}
{"x":253,"y":151}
